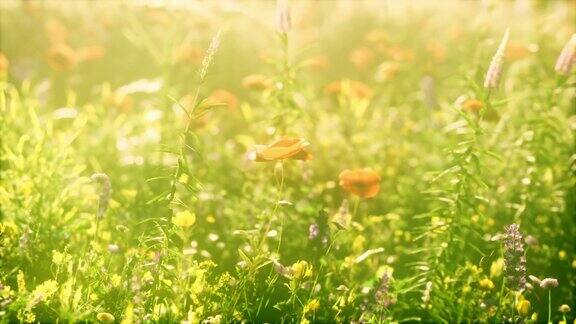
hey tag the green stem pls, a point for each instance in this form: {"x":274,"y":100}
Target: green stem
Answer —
{"x":356,"y":205}
{"x":280,"y":190}
{"x":549,"y":305}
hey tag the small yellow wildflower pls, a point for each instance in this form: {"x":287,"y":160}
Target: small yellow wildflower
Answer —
{"x":301,"y":269}
{"x":312,"y":306}
{"x":562,"y":255}
{"x":21,"y":281}
{"x":184,"y":219}
{"x":486,"y":284}
{"x":523,"y":307}
{"x":116,"y":280}
{"x":496,"y":268}
{"x":565,"y":308}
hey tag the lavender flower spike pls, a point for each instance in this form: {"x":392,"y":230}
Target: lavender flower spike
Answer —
{"x":104,"y":199}
{"x":495,"y":68}
{"x":567,"y":57}
{"x":515,"y":258}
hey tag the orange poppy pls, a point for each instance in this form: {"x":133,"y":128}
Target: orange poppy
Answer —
{"x":62,"y":57}
{"x":376,"y":36}
{"x":361,"y":182}
{"x":188,"y":53}
{"x":256,"y":82}
{"x":517,"y":51}
{"x":319,"y":62}
{"x":225,"y":97}
{"x":358,"y":90}
{"x":282,"y":149}
{"x":361,"y":57}
{"x":56,"y":31}
{"x":4,"y":64}
{"x":473,"y":106}
{"x":91,"y":53}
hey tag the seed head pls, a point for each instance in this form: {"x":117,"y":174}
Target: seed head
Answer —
{"x":105,"y":188}
{"x":283,"y":16}
{"x":549,"y":283}
{"x":515,"y":257}
{"x":567,"y":57}
{"x":495,"y":68}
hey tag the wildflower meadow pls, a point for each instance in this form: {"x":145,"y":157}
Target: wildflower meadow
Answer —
{"x":290,"y":161}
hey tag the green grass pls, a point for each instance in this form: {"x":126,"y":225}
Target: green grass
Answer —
{"x":155,"y":100}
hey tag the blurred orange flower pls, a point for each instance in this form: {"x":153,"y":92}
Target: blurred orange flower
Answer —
{"x":358,"y":90}
{"x":56,"y":31}
{"x":4,"y":64}
{"x":437,"y":50}
{"x":376,"y":36}
{"x":364,"y":183}
{"x":517,"y":51}
{"x":61,"y":57}
{"x":256,"y":82}
{"x":188,"y":53}
{"x":225,"y":97}
{"x":386,"y":71}
{"x":282,"y":149}
{"x":121,"y":101}
{"x":361,"y":57}
{"x":318,"y":62}
{"x":90,"y":53}
{"x":473,"y":106}
{"x":401,"y":54}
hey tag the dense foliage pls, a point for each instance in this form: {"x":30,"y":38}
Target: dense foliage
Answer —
{"x":311,"y":161}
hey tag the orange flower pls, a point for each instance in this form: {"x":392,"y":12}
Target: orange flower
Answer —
{"x":437,"y":50}
{"x":188,"y":53}
{"x":473,"y":106}
{"x":361,"y":182}
{"x":386,"y":71}
{"x":376,"y":36}
{"x":120,"y":101}
{"x":401,"y":54}
{"x":61,"y":57}
{"x":225,"y":97}
{"x":256,"y":82}
{"x":282,"y":149}
{"x":319,"y":62}
{"x":358,"y":90}
{"x":4,"y":64}
{"x":91,"y":53}
{"x":517,"y":51}
{"x":361,"y":57}
{"x":56,"y":31}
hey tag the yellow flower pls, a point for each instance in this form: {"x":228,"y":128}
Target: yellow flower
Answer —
{"x":59,"y":258}
{"x":486,"y":284}
{"x":184,"y":219}
{"x":116,"y":280}
{"x":21,"y":281}
{"x":312,"y":306}
{"x":301,"y":269}
{"x":523,"y":307}
{"x":496,"y":268}
{"x":42,"y":293}
{"x":105,"y":317}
